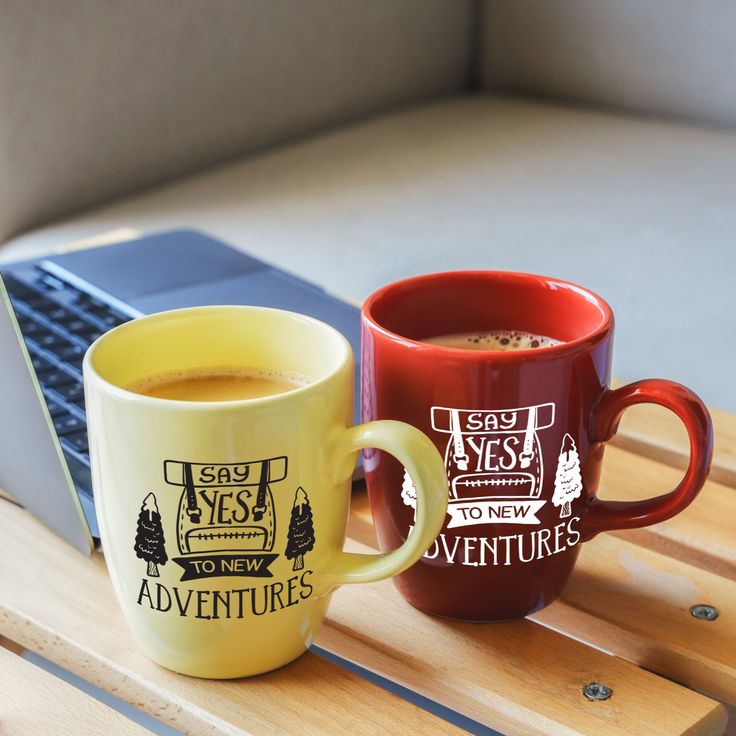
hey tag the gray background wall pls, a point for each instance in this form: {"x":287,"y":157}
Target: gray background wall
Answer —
{"x":102,"y":98}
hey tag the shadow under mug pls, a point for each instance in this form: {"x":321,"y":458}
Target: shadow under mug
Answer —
{"x":522,"y":433}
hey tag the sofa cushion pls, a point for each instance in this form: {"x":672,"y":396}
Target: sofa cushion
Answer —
{"x":103,"y":98}
{"x":640,"y":211}
{"x":671,"y":57}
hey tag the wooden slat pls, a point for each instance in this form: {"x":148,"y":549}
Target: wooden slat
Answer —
{"x":654,"y":432}
{"x":702,"y":535}
{"x":635,"y":603}
{"x":640,"y":612}
{"x":60,"y":604}
{"x":515,"y":677}
{"x":11,"y":646}
{"x":35,"y":702}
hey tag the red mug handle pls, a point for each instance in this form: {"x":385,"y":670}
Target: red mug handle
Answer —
{"x":604,"y":516}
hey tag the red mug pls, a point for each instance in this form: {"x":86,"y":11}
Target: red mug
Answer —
{"x":522,"y":433}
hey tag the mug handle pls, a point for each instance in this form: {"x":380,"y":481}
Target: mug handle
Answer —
{"x":420,"y":457}
{"x":604,"y":516}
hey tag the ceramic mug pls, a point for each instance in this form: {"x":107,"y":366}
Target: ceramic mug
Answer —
{"x":222,"y":523}
{"x":522,"y":433}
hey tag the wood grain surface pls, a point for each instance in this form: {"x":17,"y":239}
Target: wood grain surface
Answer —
{"x":703,"y":534}
{"x":636,"y":604}
{"x":36,"y":703}
{"x":521,"y":665}
{"x":10,"y":645}
{"x":516,"y":677}
{"x":521,"y":678}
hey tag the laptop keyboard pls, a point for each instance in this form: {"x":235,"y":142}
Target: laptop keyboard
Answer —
{"x":59,"y":322}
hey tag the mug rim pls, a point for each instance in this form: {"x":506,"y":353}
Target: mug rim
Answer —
{"x":91,"y":374}
{"x":583,"y":341}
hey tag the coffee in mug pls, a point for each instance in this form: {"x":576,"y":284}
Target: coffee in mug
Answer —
{"x":494,"y":340}
{"x":217,"y":384}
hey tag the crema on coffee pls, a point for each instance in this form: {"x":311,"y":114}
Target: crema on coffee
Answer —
{"x":495,"y":340}
{"x":217,"y":384}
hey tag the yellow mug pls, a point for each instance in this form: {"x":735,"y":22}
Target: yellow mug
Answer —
{"x":222,"y":523}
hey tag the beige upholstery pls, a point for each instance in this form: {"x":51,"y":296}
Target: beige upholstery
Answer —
{"x":103,"y":97}
{"x":670,"y":57}
{"x":640,"y":211}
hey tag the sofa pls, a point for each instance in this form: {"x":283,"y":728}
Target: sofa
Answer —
{"x":358,"y":142}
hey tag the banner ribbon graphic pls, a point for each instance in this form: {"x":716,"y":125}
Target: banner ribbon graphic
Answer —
{"x":496,"y":511}
{"x":252,"y":565}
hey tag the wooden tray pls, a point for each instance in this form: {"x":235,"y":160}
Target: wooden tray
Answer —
{"x":624,"y":621}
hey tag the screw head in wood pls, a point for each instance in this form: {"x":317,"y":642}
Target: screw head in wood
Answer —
{"x":704,"y":612}
{"x":597,"y":691}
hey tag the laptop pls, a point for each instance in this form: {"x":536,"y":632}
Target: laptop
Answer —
{"x":52,"y":309}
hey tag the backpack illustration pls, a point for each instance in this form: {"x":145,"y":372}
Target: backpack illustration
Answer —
{"x":225,"y":508}
{"x":494,"y":463}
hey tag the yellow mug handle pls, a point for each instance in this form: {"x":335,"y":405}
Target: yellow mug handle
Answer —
{"x":419,"y":456}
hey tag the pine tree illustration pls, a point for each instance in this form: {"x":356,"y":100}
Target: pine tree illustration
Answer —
{"x":301,"y":530}
{"x":149,"y":538}
{"x":408,"y":492}
{"x":568,"y":482}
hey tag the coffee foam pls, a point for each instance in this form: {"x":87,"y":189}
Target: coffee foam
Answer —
{"x":494,"y":340}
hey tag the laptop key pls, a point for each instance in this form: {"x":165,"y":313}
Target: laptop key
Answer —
{"x":78,"y":441}
{"x":77,"y":325}
{"x":75,"y":364}
{"x":80,"y":325}
{"x":69,"y":352}
{"x":55,"y":409}
{"x":59,"y":314}
{"x":90,"y":335}
{"x":67,"y":423}
{"x":48,"y":281}
{"x":28,"y":327}
{"x":38,"y":302}
{"x":40,"y":364}
{"x":90,"y":303}
{"x":108,"y":316}
{"x":17,"y":288}
{"x":72,"y":392}
{"x":86,"y":330}
{"x":49,"y":340}
{"x":73,"y":360}
{"x":55,"y":378}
